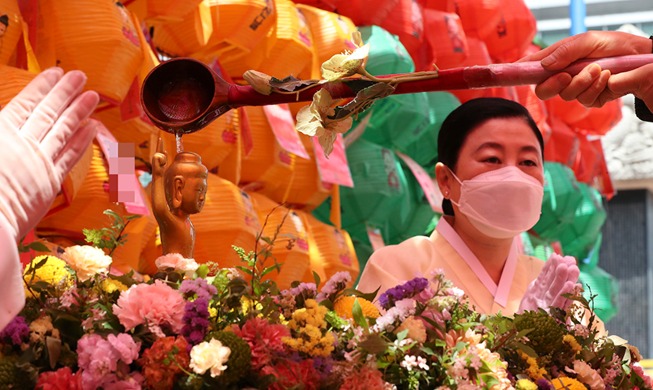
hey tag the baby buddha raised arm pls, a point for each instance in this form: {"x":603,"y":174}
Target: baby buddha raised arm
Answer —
{"x":178,"y":190}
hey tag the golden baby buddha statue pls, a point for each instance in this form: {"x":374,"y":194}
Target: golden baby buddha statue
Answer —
{"x":178,"y":190}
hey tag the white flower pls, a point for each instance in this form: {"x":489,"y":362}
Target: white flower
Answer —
{"x":411,"y":361}
{"x":178,"y":262}
{"x":86,"y":260}
{"x":209,"y":356}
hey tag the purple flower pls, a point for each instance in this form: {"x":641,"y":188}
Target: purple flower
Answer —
{"x":543,"y":384}
{"x":335,"y":284}
{"x":196,"y":321}
{"x":17,"y":331}
{"x":199,"y":287}
{"x":407,"y":290}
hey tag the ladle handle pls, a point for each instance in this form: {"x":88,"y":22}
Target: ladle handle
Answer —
{"x":470,"y":77}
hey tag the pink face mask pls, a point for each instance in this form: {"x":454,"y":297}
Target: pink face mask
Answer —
{"x":501,"y":203}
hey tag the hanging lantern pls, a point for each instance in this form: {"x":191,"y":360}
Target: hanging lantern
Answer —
{"x":334,"y":250}
{"x":104,"y":43}
{"x":479,"y":17}
{"x":292,"y":50}
{"x":187,"y":35}
{"x":267,"y":165}
{"x":599,"y":121}
{"x":513,"y":32}
{"x":380,"y":196}
{"x":290,"y":247}
{"x":228,"y":218}
{"x":606,"y":288}
{"x":173,"y":10}
{"x":331,"y":35}
{"x":578,"y":237}
{"x":362,"y":14}
{"x":327,"y":5}
{"x":562,"y":198}
{"x":303,"y":188}
{"x":243,"y":30}
{"x":407,"y":22}
{"x":526,"y":97}
{"x":444,"y":31}
{"x":11,"y":29}
{"x":387,"y":54}
{"x":568,"y":112}
{"x":478,"y":55}
{"x":563,"y":144}
{"x":412,"y":114}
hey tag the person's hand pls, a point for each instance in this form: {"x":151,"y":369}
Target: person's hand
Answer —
{"x":45,"y":132}
{"x":593,"y":87}
{"x":559,"y":276}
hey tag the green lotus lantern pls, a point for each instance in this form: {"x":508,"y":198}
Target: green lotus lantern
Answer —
{"x":387,"y":54}
{"x":561,"y":199}
{"x":605,"y":288}
{"x":580,"y":236}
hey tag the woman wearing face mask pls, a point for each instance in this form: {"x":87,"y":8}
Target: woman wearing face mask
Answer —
{"x":490,"y":172}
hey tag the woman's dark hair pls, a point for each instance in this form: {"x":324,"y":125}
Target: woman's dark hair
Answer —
{"x":467,"y":117}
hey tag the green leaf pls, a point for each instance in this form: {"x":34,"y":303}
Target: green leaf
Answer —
{"x":271,"y":268}
{"x":38,"y":246}
{"x":367,"y":296}
{"x":360,"y":319}
{"x":316,"y":277}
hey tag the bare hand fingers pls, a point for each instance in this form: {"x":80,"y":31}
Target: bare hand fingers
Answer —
{"x":48,"y":110}
{"x":552,"y":86}
{"x":590,"y":98}
{"x":581,"y":82}
{"x":21,"y":106}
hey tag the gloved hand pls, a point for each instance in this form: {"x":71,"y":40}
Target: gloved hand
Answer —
{"x":42,"y":137}
{"x":559,"y":276}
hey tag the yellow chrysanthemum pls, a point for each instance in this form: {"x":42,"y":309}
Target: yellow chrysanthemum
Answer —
{"x":534,"y":371}
{"x":344,"y":307}
{"x":525,"y":384}
{"x":54,"y":272}
{"x":573,"y":343}
{"x":566,"y":383}
{"x":111,"y":285}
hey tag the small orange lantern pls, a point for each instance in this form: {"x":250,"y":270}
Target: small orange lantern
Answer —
{"x":444,"y":31}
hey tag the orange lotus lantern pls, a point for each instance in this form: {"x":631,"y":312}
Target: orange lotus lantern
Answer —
{"x":11,"y":29}
{"x":103,"y":43}
{"x":186,"y":35}
{"x":599,"y":121}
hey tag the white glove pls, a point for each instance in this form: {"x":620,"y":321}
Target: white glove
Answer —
{"x":42,"y":138}
{"x":559,"y":276}
{"x":41,"y":141}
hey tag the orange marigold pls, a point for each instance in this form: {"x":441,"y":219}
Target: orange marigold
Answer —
{"x":344,"y":306}
{"x":566,"y":383}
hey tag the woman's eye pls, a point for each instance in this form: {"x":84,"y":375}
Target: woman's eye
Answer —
{"x":492,"y":160}
{"x":529,"y":163}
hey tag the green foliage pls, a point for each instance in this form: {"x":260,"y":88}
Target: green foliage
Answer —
{"x":109,"y":237}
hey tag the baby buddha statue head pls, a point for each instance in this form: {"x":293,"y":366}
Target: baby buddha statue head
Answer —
{"x":185,"y":182}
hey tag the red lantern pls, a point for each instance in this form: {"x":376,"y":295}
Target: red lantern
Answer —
{"x":444,"y":31}
{"x":361,"y":13}
{"x":478,"y":55}
{"x":512,"y":34}
{"x":407,"y":22}
{"x":599,"y":121}
{"x":536,"y":107}
{"x":569,"y":112}
{"x":563,"y":144}
{"x":479,"y":17}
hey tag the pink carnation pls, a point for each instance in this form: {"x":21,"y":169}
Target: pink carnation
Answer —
{"x":156,"y":305}
{"x":178,"y":262}
{"x":264,"y":340}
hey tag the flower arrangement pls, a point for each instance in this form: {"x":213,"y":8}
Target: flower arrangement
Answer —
{"x":194,"y":327}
